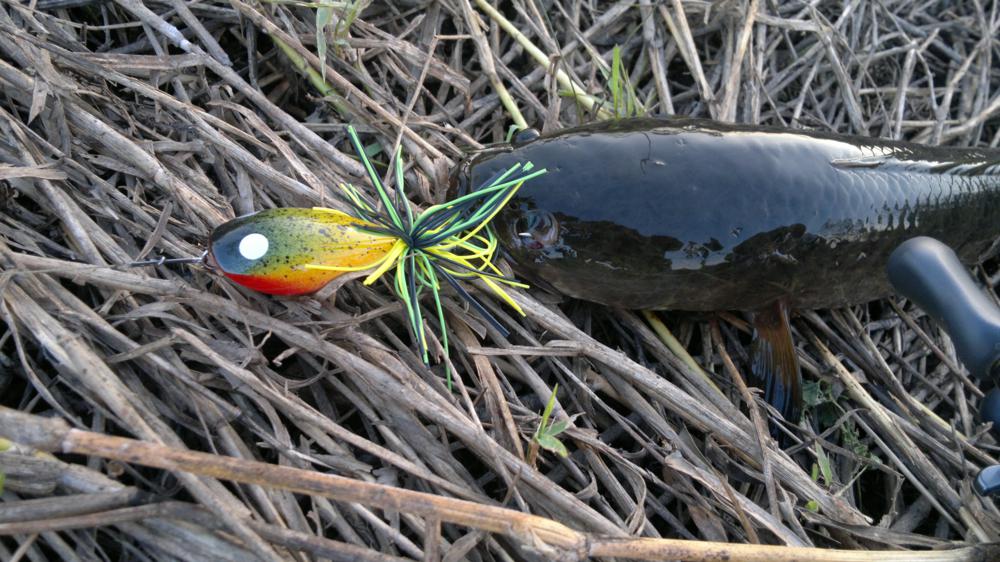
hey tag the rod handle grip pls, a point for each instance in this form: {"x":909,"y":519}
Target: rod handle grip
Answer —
{"x":929,"y":273}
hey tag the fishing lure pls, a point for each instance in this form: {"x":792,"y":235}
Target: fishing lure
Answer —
{"x":276,"y":251}
{"x":297,"y":251}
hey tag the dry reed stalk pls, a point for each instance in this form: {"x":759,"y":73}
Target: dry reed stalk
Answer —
{"x":130,"y":129}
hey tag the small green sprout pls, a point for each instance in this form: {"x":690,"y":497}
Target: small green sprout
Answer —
{"x":624,"y":101}
{"x":852,"y":440}
{"x":324,"y":19}
{"x":823,"y":466}
{"x":546,"y":434}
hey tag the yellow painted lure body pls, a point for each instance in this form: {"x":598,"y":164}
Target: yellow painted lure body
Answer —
{"x":271,"y":251}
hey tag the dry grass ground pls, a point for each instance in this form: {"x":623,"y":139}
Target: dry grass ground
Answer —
{"x":130,"y":129}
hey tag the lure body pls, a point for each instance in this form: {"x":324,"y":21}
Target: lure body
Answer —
{"x":689,"y":214}
{"x":297,"y":251}
{"x":269,"y":251}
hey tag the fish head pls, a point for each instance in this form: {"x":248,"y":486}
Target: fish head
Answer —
{"x":525,"y":230}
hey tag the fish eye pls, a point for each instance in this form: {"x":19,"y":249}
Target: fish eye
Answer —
{"x":253,"y":246}
{"x":537,"y":229}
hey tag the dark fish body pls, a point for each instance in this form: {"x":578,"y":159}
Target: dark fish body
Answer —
{"x":690,"y":214}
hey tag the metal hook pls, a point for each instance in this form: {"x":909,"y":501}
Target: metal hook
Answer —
{"x":162,"y":260}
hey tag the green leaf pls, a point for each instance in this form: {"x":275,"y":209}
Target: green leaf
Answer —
{"x":550,"y":443}
{"x":819,"y":399}
{"x":546,"y":433}
{"x":827,"y":414}
{"x":557,"y":428}
{"x":3,"y":477}
{"x":324,"y":15}
{"x":853,"y":441}
{"x":812,"y":394}
{"x":548,"y":410}
{"x":624,"y":100}
{"x":813,"y":506}
{"x":615,"y":82}
{"x":352,"y":12}
{"x":824,"y":465}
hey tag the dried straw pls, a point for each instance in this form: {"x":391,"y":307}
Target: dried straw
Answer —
{"x":129,"y":129}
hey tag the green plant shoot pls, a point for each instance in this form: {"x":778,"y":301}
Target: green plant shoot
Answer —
{"x":546,"y":433}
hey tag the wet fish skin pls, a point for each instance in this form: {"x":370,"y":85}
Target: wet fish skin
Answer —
{"x":691,"y":214}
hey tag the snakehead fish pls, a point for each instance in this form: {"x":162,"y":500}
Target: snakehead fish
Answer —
{"x":690,"y":214}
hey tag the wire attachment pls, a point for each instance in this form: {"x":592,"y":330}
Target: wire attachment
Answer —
{"x":163,"y":260}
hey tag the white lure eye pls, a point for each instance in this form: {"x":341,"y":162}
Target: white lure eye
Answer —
{"x":253,"y":246}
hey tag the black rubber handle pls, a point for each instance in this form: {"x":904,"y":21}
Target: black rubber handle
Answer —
{"x":988,"y":481}
{"x":929,"y":273}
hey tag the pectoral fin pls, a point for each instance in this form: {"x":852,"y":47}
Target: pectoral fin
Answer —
{"x":773,"y":363}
